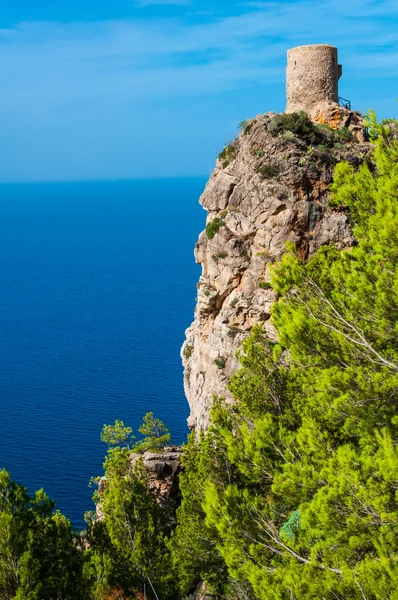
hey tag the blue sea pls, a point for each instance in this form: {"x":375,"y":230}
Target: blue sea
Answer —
{"x":98,"y":284}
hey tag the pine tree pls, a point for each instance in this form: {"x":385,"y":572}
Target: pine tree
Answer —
{"x":156,"y":435}
{"x":39,"y":555}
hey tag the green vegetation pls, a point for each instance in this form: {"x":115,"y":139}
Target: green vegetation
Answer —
{"x":246,"y":127}
{"x":233,"y":331}
{"x":219,"y":256}
{"x":39,"y":553}
{"x":128,"y":548}
{"x":213,"y":227}
{"x":117,"y":435}
{"x":155,"y":434}
{"x":227,"y":155}
{"x":188,"y":351}
{"x":220,"y":363}
{"x":300,"y":125}
{"x":265,"y":285}
{"x":269,"y":170}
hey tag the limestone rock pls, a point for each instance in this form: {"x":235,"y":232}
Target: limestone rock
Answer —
{"x":268,"y":187}
{"x":162,"y":469}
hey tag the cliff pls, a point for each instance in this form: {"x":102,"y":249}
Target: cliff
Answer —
{"x":270,"y":186}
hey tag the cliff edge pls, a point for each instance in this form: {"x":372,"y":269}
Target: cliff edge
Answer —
{"x":270,"y":186}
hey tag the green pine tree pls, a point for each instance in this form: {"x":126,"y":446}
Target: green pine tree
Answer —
{"x":155,"y":434}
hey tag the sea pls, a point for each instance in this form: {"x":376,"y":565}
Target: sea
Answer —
{"x":98,"y":284}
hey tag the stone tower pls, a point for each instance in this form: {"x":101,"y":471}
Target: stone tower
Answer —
{"x":312,"y":78}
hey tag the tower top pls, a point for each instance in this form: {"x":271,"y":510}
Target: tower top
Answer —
{"x":312,"y":77}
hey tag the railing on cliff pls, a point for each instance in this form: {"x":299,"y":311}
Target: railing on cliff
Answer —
{"x":345,"y":103}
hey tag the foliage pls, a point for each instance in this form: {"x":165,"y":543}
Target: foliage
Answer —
{"x":219,"y":256}
{"x":265,"y":285}
{"x":246,"y":127}
{"x":220,"y":363}
{"x":39,"y":557}
{"x":155,"y":434}
{"x":213,"y":227}
{"x":117,"y":435}
{"x":188,"y":351}
{"x":227,"y":155}
{"x":128,"y":548}
{"x":193,"y":544}
{"x":299,"y":124}
{"x":268,"y":170}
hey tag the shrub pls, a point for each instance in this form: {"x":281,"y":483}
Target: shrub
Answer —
{"x":268,"y":170}
{"x":298,"y":123}
{"x":245,"y":127}
{"x":188,"y":351}
{"x":303,"y":128}
{"x":233,"y":331}
{"x":219,"y":256}
{"x":213,"y":227}
{"x":220,"y":363}
{"x":227,"y":155}
{"x":344,"y":134}
{"x":207,"y":292}
{"x":265,"y":285}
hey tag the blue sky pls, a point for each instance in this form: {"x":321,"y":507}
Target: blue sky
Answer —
{"x":111,"y":89}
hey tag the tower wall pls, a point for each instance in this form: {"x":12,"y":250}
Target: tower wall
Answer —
{"x":312,"y":77}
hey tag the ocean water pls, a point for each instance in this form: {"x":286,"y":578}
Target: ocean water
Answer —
{"x":98,"y":284}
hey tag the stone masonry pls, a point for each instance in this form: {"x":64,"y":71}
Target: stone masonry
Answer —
{"x":312,"y":77}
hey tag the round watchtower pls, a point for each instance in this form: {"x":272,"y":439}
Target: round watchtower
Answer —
{"x":312,"y":77}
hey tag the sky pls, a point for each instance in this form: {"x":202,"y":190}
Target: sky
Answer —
{"x":123,"y":89}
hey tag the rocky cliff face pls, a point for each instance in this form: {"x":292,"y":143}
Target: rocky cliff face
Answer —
{"x":270,"y":186}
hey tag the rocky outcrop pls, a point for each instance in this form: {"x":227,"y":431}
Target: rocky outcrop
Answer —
{"x":162,"y":470}
{"x":270,"y":186}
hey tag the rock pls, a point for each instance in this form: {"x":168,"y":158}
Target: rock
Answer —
{"x":162,"y":469}
{"x":269,"y":187}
